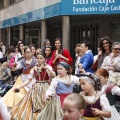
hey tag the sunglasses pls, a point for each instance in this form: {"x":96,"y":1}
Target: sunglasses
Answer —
{"x":116,"y":48}
{"x":105,"y":43}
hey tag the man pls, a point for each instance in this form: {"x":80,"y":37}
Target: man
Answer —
{"x":87,"y":59}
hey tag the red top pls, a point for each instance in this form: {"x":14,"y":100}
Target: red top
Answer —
{"x":41,"y":76}
{"x":65,"y":53}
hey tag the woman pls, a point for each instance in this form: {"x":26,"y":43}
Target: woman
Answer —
{"x":33,"y":49}
{"x":112,"y":63}
{"x":60,"y":54}
{"x":48,"y":55}
{"x":10,"y":53}
{"x":105,"y":46}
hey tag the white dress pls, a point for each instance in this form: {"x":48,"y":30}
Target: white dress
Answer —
{"x":114,"y":91}
{"x":4,"y":114}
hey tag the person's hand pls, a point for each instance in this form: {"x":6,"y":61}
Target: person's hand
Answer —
{"x":111,"y":68}
{"x":49,"y":97}
{"x":96,"y":111}
{"x":81,"y":70}
{"x":16,"y":90}
{"x":80,"y":65}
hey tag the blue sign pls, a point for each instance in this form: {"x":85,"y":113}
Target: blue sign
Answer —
{"x":75,"y":7}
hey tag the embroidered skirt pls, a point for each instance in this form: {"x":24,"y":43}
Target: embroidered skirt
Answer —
{"x":33,"y":102}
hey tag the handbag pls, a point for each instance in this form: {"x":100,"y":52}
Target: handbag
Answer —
{"x":95,"y":65}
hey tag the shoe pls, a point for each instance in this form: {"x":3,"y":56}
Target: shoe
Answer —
{"x":3,"y":92}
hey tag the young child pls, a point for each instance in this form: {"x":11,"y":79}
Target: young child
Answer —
{"x":97,"y":104}
{"x":6,"y":76}
{"x":110,"y":90}
{"x":60,"y":87}
{"x":35,"y":99}
{"x":26,"y":64}
{"x":73,"y":107}
{"x":4,"y":114}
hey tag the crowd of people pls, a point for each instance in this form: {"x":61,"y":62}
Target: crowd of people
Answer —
{"x":42,"y":84}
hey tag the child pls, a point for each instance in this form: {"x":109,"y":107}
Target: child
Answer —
{"x":97,"y":104}
{"x":6,"y":76}
{"x":73,"y":107}
{"x":26,"y":64}
{"x":35,"y":100}
{"x":110,"y":90}
{"x":4,"y":114}
{"x":60,"y":87}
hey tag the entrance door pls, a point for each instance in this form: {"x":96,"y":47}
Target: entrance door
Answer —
{"x":34,"y":40}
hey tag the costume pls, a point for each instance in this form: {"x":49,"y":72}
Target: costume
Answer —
{"x":66,"y":54}
{"x":60,"y":87}
{"x":4,"y":114}
{"x":98,"y":101}
{"x":111,"y":90}
{"x":87,"y":61}
{"x":35,"y":100}
{"x":11,"y":98}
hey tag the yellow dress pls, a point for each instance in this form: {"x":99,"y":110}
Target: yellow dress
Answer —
{"x":11,"y":98}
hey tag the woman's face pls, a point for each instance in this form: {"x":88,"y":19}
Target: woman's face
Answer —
{"x":116,"y":50}
{"x":106,"y":45}
{"x":28,"y":53}
{"x":33,"y":50}
{"x":57,"y":44}
{"x":47,"y":51}
{"x":40,"y":59}
{"x":70,"y":110}
{"x":61,"y":71}
{"x":21,"y":47}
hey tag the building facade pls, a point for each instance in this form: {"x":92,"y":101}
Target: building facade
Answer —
{"x":73,"y":21}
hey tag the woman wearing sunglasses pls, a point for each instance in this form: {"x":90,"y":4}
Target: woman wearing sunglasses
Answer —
{"x":105,"y":46}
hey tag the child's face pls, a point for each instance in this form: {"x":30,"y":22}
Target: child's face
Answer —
{"x":103,"y":79}
{"x":61,"y":70}
{"x":70,"y":110}
{"x":28,"y":53}
{"x":40,"y":59}
{"x":33,"y":50}
{"x":85,"y":86}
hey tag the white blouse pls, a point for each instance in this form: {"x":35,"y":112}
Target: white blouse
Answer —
{"x":115,"y":90}
{"x":104,"y":103}
{"x":54,"y":83}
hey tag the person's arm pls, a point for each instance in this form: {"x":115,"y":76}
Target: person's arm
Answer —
{"x":52,"y":88}
{"x":106,"y":109}
{"x":66,"y":56}
{"x":27,"y":81}
{"x":49,"y":69}
{"x":115,"y":90}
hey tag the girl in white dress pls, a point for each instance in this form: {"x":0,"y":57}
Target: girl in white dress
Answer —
{"x":97,"y":106}
{"x":111,"y":90}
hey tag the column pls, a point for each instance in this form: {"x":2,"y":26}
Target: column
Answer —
{"x":21,"y":34}
{"x":6,"y":3}
{"x":66,"y":32}
{"x":43,"y":31}
{"x":8,"y":37}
